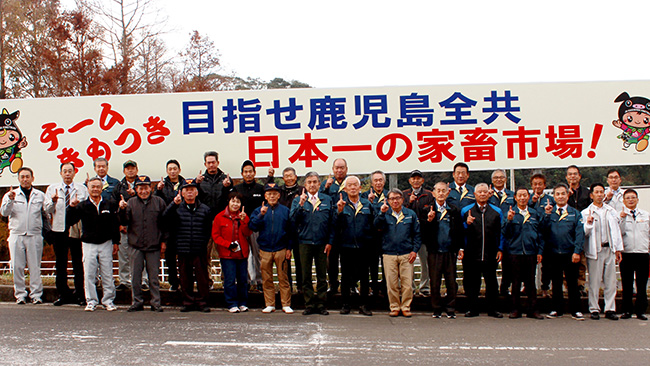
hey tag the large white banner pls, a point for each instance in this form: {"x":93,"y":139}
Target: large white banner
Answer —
{"x":395,"y":129}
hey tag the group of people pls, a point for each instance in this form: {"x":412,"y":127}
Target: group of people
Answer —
{"x":326,"y":223}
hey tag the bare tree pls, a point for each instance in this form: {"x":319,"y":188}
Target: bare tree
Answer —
{"x":153,"y":66}
{"x":201,"y":62}
{"x":127,"y":25}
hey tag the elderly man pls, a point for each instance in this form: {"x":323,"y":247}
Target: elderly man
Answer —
{"x":603,"y":247}
{"x":353,"y":234}
{"x":635,"y":228}
{"x":24,"y":206}
{"x":333,"y":187}
{"x":100,"y":239}
{"x":420,"y":200}
{"x":311,"y":214}
{"x":400,"y":246}
{"x":524,"y":247}
{"x":143,"y":216}
{"x":461,"y":194}
{"x":273,"y":225}
{"x":64,"y":242}
{"x":191,"y":220}
{"x":288,"y":191}
{"x":482,"y":252}
{"x":377,"y":195}
{"x":564,"y":236}
{"x":446,"y":238}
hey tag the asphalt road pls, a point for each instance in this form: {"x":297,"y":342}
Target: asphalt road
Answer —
{"x":47,"y":335}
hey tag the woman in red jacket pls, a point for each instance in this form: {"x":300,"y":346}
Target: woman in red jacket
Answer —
{"x":230,"y":232}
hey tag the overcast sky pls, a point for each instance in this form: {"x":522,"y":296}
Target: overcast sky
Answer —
{"x":376,"y":43}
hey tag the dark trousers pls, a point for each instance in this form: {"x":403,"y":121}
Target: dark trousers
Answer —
{"x":355,"y":266}
{"x":333,"y":268}
{"x":171,"y":257}
{"x":235,"y":270}
{"x":506,"y":274}
{"x":563,"y":268}
{"x":443,"y":265}
{"x":473,"y":271}
{"x":139,"y":261}
{"x":309,"y":254}
{"x":546,"y":272}
{"x":523,"y":269}
{"x":635,"y":265}
{"x":296,"y":260}
{"x":375,"y":259}
{"x":62,"y":245}
{"x":194,"y":267}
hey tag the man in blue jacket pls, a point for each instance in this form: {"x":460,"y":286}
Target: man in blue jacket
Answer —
{"x":503,"y":198}
{"x":401,"y":243}
{"x":273,"y":224}
{"x":445,"y":239}
{"x":311,"y":214}
{"x":333,"y":186}
{"x":353,"y":234}
{"x":524,"y":247}
{"x":461,"y":194}
{"x":563,"y":233}
{"x":377,"y":195}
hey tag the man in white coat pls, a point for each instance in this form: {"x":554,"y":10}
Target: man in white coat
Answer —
{"x":603,"y":248}
{"x":24,"y":206}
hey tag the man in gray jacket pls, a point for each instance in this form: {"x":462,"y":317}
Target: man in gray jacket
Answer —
{"x":142,"y":215}
{"x":635,"y":228}
{"x":24,"y":206}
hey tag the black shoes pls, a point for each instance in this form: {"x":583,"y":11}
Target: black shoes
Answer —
{"x":611,"y":315}
{"x":515,"y":315}
{"x":157,"y":309}
{"x":135,"y":307}
{"x":309,"y":311}
{"x":363,"y":310}
{"x":495,"y":314}
{"x":345,"y":309}
{"x":60,"y":301}
{"x":471,"y":314}
{"x":595,"y":315}
{"x":185,"y":309}
{"x":535,"y":315}
{"x":323,"y":311}
{"x":641,"y":317}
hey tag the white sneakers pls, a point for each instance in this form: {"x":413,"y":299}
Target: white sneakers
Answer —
{"x":93,"y":307}
{"x":243,"y":308}
{"x":270,"y":309}
{"x":234,"y":309}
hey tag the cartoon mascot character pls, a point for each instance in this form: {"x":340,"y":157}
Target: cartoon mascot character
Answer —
{"x":634,"y":120}
{"x":11,"y":141}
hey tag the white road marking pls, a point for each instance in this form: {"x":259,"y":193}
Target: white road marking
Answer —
{"x":234,"y":344}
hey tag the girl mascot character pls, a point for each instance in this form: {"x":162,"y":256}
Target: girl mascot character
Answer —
{"x":634,"y":120}
{"x":11,"y":141}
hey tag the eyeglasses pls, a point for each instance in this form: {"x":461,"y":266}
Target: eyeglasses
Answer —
{"x":395,"y":198}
